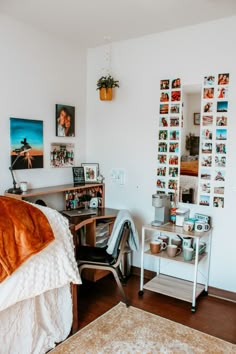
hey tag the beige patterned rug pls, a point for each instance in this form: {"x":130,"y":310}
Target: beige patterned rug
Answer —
{"x":130,"y":330}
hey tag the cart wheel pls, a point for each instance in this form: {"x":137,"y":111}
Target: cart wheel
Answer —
{"x":193,"y":309}
{"x":140,"y":293}
{"x":205,"y":293}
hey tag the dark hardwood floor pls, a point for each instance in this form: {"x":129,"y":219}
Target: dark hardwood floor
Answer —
{"x":214,"y":316}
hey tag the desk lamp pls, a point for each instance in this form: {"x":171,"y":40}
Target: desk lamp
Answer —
{"x":22,"y":150}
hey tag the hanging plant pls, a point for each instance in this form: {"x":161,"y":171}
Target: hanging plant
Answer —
{"x":105,"y":85}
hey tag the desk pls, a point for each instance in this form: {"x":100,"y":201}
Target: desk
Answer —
{"x":90,"y":222}
{"x":68,"y":190}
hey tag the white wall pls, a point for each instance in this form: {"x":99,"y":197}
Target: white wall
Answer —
{"x":36,"y":72}
{"x":123,"y":133}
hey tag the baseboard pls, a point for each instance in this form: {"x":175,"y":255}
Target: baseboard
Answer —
{"x":215,"y":292}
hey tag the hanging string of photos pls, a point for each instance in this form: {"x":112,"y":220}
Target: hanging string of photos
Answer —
{"x":169,"y":131}
{"x":213,"y":140}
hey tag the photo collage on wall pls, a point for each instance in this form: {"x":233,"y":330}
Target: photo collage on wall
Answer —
{"x":213,"y":140}
{"x":169,"y":127}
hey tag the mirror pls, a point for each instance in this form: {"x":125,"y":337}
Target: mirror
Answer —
{"x":190,"y":138}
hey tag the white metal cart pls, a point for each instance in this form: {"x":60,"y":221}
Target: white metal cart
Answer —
{"x":172,"y":286}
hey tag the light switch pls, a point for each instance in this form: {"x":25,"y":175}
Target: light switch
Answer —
{"x":118,"y":176}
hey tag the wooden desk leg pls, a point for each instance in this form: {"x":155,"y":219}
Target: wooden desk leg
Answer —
{"x":75,"y":323}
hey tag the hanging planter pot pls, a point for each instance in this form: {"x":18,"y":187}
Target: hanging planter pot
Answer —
{"x":105,"y":94}
{"x":105,"y":85}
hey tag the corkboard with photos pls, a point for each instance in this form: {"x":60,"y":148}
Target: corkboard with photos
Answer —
{"x":213,"y":140}
{"x":169,"y":132}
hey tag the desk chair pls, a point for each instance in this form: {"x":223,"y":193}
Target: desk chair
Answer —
{"x":97,"y":258}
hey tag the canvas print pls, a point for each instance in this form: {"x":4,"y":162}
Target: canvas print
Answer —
{"x":62,"y":155}
{"x":65,"y":120}
{"x":29,"y":130}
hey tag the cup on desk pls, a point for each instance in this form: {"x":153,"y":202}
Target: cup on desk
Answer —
{"x":164,"y":238}
{"x":173,"y":250}
{"x":187,"y":242}
{"x":24,"y":186}
{"x":157,"y":246}
{"x":188,"y":226}
{"x":201,"y":226}
{"x":176,"y":241}
{"x":188,"y":253}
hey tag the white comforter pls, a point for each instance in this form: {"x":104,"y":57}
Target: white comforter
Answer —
{"x":53,"y":267}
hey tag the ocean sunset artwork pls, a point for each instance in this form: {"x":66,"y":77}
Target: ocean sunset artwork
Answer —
{"x":32,"y":131}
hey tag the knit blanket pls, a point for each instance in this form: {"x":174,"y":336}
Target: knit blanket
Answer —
{"x":24,"y":231}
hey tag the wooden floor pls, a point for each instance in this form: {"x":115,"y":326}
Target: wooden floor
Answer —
{"x":214,"y":316}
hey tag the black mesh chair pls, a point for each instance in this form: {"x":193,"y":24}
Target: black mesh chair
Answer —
{"x":97,"y":258}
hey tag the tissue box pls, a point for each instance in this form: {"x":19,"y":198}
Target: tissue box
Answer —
{"x":181,"y":215}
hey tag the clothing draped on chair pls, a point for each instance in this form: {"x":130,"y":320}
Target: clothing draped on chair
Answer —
{"x":109,"y":257}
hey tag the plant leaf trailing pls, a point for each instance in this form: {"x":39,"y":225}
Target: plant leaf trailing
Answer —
{"x":107,"y":82}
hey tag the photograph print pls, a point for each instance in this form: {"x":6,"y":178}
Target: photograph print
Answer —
{"x":62,"y":155}
{"x":65,"y":120}
{"x":31,"y":132}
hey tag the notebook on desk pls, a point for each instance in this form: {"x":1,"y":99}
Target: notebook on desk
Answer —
{"x":80,"y":212}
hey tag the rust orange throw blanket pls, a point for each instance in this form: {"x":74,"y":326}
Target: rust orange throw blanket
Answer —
{"x":24,"y":231}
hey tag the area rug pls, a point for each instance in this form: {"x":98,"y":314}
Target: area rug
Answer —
{"x":124,"y":330}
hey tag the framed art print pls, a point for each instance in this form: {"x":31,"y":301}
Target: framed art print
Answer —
{"x":91,"y":172}
{"x":78,"y":175}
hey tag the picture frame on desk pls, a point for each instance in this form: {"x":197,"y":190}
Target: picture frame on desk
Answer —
{"x":78,"y":175}
{"x":91,"y":172}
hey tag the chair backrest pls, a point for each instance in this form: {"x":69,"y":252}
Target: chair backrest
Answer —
{"x":120,"y":246}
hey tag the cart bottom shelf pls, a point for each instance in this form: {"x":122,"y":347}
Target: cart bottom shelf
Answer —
{"x":174,"y":287}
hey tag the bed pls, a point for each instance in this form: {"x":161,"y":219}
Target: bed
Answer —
{"x":36,"y":301}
